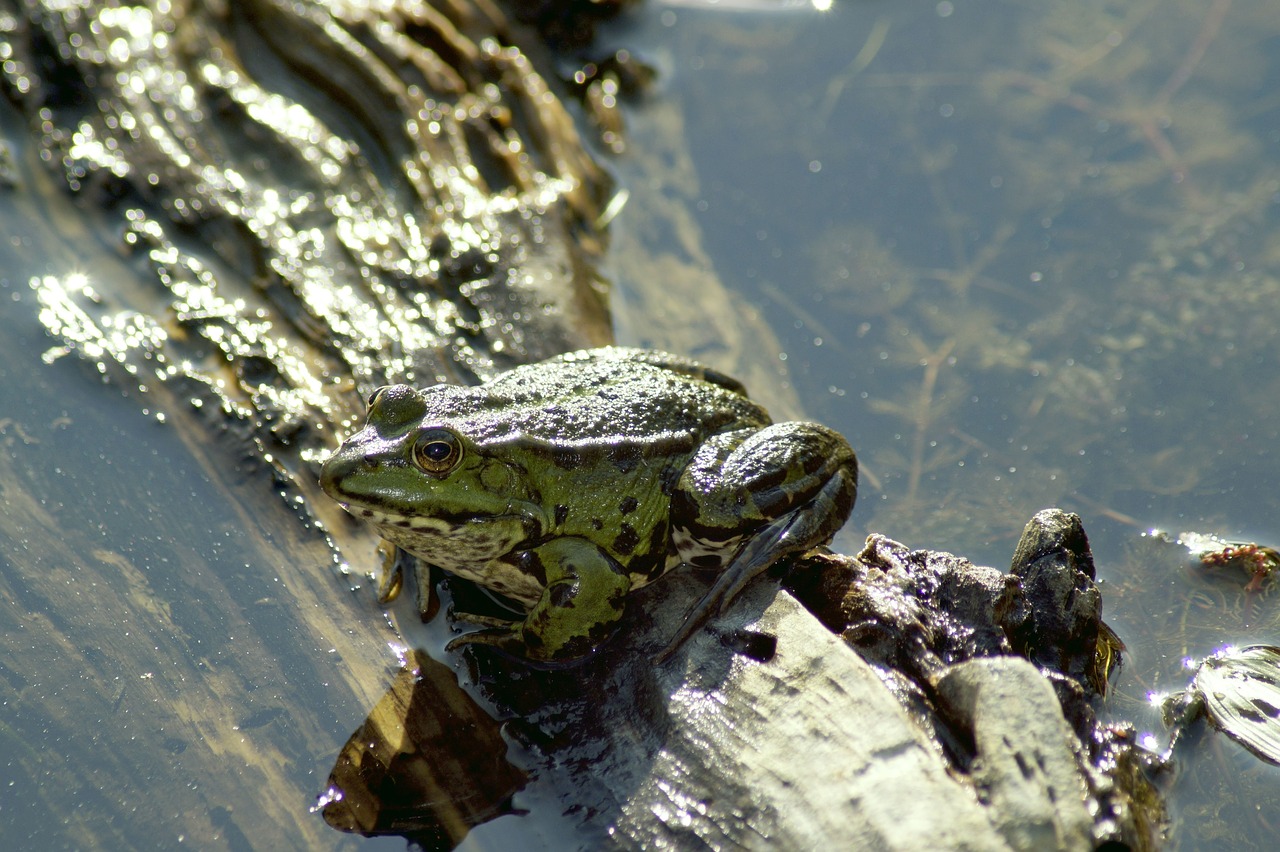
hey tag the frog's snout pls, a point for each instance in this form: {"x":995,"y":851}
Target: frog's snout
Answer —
{"x":337,"y":468}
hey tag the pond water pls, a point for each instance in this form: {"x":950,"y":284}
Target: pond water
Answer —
{"x":1024,"y":255}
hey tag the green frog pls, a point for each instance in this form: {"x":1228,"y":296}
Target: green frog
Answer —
{"x":566,"y":484}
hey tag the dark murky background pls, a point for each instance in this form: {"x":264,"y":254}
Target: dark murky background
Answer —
{"x":1022,"y":254}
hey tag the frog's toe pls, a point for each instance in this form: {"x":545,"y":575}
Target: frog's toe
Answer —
{"x":488,"y":621}
{"x":500,"y":632}
{"x":515,"y":639}
{"x":507,"y":638}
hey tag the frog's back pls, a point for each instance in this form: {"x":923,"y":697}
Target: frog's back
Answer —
{"x":600,"y":397}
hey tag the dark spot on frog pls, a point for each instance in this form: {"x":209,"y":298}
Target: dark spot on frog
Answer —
{"x":660,"y":538}
{"x":707,"y":560}
{"x":682,"y":505}
{"x":771,"y":479}
{"x":566,"y":459}
{"x":815,"y":462}
{"x":597,"y":524}
{"x":626,"y":459}
{"x":562,"y":513}
{"x":660,"y":547}
{"x":648,"y":567}
{"x":562,"y":594}
{"x":627,"y":540}
{"x":628,"y":505}
{"x":531,"y":565}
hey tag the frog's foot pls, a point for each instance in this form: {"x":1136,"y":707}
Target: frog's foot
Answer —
{"x":398,"y":565}
{"x":755,"y":559}
{"x":391,"y":577}
{"x":512,"y":637}
{"x":499,"y":632}
{"x":578,"y":609}
{"x":788,"y":535}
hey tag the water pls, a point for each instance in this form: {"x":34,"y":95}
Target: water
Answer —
{"x":1024,"y":256}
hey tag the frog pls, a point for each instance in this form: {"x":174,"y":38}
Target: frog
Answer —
{"x":565,"y":485}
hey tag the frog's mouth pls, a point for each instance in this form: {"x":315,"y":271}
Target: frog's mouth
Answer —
{"x":358,"y":481}
{"x":386,"y":515}
{"x":481,"y":550}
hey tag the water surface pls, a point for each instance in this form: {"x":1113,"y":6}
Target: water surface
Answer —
{"x":1024,"y":255}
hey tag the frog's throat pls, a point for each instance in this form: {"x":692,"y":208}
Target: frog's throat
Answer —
{"x":483,"y":551}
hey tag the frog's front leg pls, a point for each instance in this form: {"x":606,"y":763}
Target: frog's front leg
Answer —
{"x":396,"y":561}
{"x":765,"y":496}
{"x":584,"y":597}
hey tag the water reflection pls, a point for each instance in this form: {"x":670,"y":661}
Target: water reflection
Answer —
{"x":1023,"y":257}
{"x":427,"y":764}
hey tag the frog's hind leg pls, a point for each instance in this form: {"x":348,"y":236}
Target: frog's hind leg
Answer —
{"x":803,"y":527}
{"x":741,"y":481}
{"x":795,"y":532}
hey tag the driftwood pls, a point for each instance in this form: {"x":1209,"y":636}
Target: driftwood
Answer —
{"x":810,"y":745}
{"x":183,"y":654}
{"x":253,"y":224}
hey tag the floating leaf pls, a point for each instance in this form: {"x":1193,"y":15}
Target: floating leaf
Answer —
{"x":1241,"y":690}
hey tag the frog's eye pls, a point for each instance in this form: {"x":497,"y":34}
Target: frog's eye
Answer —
{"x":373,"y":397}
{"x":437,"y":451}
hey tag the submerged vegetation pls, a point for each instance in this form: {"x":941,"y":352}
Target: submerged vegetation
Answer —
{"x":1044,"y":252}
{"x":1111,"y":282}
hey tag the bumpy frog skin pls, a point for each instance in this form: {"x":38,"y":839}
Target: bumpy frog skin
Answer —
{"x":566,"y":484}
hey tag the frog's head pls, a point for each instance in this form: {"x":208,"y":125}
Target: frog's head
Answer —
{"x":411,"y":468}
